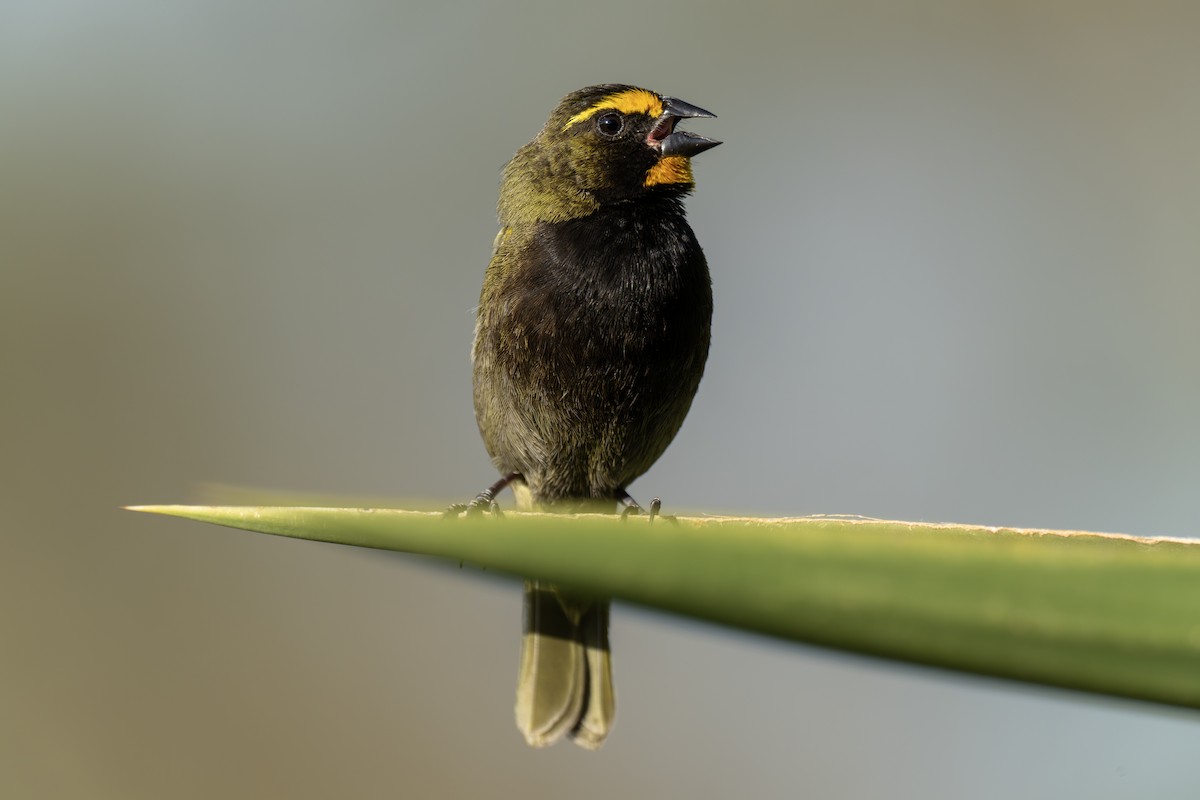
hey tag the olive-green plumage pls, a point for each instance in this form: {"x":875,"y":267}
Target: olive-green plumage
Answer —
{"x":590,"y":341}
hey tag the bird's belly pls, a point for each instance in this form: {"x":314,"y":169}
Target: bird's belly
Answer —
{"x":589,"y":412}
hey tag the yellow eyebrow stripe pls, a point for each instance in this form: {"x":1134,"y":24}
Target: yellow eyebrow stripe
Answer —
{"x":630,"y":101}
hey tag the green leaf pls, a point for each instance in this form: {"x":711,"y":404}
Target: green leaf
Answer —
{"x":1103,"y":613}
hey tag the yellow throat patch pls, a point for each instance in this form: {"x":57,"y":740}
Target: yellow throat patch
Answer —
{"x":669,"y":169}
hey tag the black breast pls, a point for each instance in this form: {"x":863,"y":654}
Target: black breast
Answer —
{"x":591,"y":343}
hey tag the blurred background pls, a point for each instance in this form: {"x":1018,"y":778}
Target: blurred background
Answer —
{"x":955,"y":258}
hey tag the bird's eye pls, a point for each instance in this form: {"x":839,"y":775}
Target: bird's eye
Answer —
{"x":610,"y":124}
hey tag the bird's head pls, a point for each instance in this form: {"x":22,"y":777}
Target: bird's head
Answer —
{"x":602,"y":144}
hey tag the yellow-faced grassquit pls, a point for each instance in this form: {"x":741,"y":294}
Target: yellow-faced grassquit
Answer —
{"x":590,"y":340}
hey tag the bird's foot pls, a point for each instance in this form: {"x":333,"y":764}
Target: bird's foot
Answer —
{"x":474,"y":508}
{"x":633,"y":509}
{"x":484,"y":501}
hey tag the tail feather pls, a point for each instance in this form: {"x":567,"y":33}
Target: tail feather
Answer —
{"x":565,"y":680}
{"x":600,"y":708}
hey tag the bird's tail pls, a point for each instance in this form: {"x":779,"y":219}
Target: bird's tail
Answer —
{"x":565,"y":683}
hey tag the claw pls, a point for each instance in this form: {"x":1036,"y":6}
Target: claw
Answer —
{"x":454,"y":509}
{"x":485,"y":500}
{"x":633,"y":509}
{"x":631,"y":506}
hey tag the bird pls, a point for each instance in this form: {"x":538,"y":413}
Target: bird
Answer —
{"x":591,"y":337}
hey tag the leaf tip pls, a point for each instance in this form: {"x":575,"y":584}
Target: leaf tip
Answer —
{"x":174,"y":511}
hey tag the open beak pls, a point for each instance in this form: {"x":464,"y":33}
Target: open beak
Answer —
{"x":670,"y":142}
